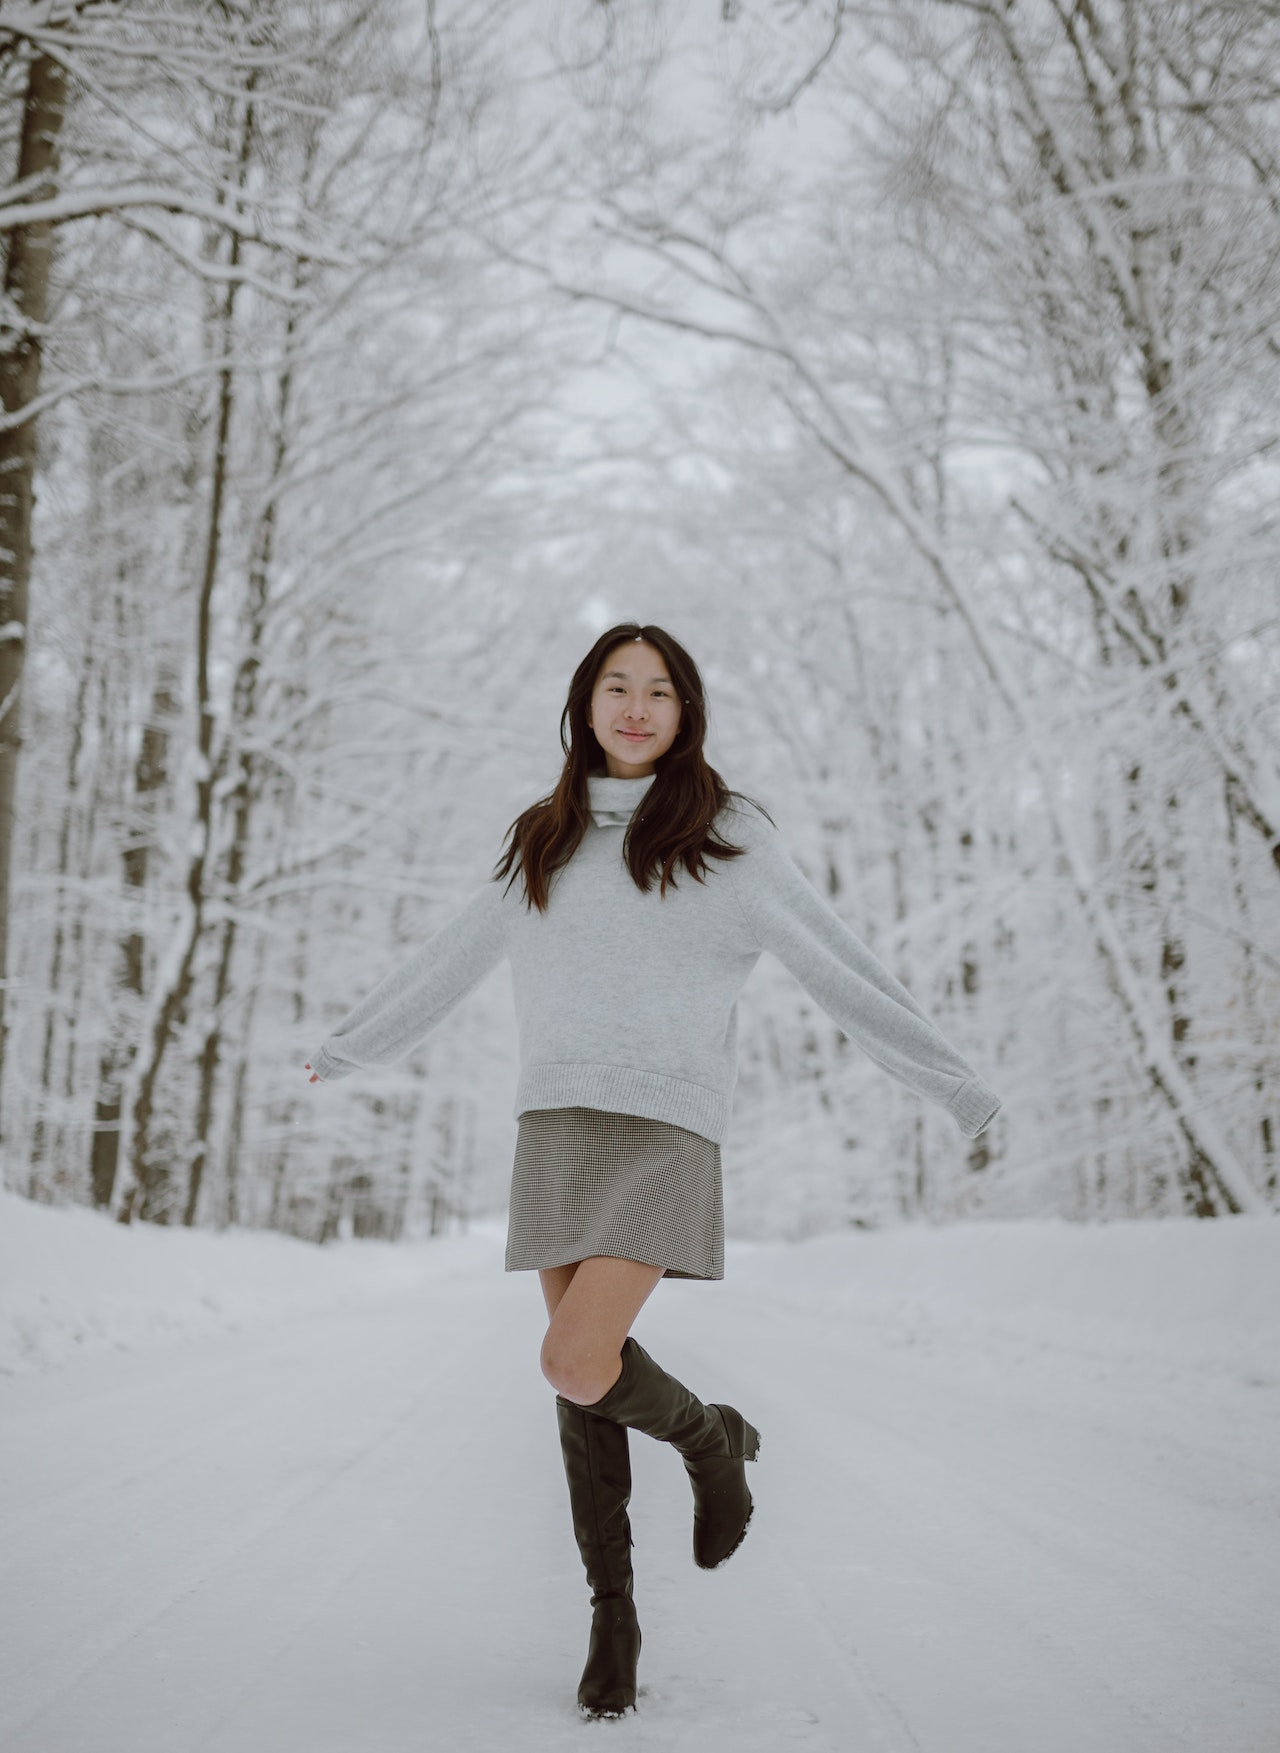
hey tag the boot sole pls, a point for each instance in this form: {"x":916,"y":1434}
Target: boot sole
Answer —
{"x":721,"y":1562}
{"x":750,"y":1439}
{"x":611,"y":1689}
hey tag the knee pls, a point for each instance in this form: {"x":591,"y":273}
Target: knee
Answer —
{"x":574,"y":1372}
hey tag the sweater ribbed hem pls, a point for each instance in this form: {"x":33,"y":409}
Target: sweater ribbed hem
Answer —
{"x":327,"y":1068}
{"x":973,"y":1106}
{"x":625,"y":1089}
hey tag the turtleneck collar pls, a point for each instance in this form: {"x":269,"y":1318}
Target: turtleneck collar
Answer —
{"x":613,"y":801}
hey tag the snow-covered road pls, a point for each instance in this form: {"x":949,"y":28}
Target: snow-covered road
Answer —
{"x":986,"y":1522}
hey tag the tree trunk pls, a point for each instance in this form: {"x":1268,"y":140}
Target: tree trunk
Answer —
{"x":150,"y":776}
{"x":244,"y":709}
{"x":26,"y":288}
{"x":70,"y":812}
{"x":149,"y":1186}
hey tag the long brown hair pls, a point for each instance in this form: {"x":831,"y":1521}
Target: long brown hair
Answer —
{"x":679,"y":808}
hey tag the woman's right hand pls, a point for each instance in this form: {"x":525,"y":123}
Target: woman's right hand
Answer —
{"x":314,"y":1078}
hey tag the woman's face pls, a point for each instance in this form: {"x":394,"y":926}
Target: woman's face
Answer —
{"x":635,"y":710}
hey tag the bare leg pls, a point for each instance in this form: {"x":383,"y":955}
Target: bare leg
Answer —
{"x":555,"y":1281}
{"x":592,"y":1305}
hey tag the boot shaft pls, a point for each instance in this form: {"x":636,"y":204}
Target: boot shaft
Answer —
{"x":597,"y":1468}
{"x":646,"y":1398}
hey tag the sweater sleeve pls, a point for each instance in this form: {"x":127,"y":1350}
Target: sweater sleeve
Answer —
{"x":407,"y":1003}
{"x":840,"y":973}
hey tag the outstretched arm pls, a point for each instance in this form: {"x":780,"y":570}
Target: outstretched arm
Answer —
{"x":840,"y":973}
{"x":405,"y":1006}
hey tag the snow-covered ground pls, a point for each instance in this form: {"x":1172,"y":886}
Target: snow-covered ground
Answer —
{"x":1018,"y":1493}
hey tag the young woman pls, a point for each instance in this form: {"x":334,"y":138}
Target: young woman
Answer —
{"x":637,"y":898}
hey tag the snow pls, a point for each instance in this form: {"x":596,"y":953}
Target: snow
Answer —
{"x":72,"y":1283}
{"x":1018,"y":1491}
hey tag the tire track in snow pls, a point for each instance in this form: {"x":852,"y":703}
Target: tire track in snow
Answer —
{"x":822,"y":1671}
{"x":1104,"y":1524}
{"x":53,"y":1516}
{"x":84,"y":1678}
{"x":1008,"y":1618}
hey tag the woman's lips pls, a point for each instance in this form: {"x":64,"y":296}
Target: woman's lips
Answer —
{"x":635,"y":736}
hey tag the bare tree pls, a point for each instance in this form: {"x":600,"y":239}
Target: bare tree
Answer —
{"x":1051,"y":186}
{"x":26,"y":308}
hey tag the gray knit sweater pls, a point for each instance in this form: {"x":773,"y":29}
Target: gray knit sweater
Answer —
{"x":628,"y":1002}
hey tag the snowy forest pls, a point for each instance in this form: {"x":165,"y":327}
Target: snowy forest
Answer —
{"x":917,"y":365}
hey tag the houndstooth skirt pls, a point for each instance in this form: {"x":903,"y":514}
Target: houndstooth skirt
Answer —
{"x":589,"y":1182}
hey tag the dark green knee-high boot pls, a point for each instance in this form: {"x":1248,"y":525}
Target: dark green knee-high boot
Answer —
{"x":714,"y":1440}
{"x":597,"y":1465}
